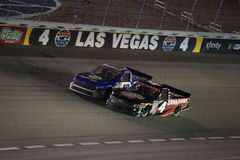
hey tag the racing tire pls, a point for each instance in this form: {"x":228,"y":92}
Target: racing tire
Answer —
{"x":177,"y":111}
{"x":107,"y":93}
{"x":145,"y":111}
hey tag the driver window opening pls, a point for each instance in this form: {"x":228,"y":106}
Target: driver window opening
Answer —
{"x":126,"y":77}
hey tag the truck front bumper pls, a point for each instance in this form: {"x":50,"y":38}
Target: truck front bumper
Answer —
{"x":121,"y":105}
{"x":84,"y":91}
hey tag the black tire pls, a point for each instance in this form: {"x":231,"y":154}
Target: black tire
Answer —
{"x":107,"y":93}
{"x":177,"y":111}
{"x":145,"y":111}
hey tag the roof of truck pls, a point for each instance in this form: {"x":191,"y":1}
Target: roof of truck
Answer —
{"x":150,"y":83}
{"x":117,"y":67}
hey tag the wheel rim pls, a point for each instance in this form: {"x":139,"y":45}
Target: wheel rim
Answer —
{"x":177,"y":111}
{"x":145,"y":111}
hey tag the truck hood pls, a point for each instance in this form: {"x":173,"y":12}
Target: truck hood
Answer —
{"x":130,"y":97}
{"x":94,"y":81}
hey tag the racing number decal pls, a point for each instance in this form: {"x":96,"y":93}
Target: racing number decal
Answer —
{"x":123,"y":85}
{"x":184,"y":44}
{"x":162,"y":106}
{"x":44,"y":37}
{"x":158,"y":106}
{"x":126,"y":85}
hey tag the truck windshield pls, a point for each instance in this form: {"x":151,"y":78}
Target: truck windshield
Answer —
{"x":148,"y":91}
{"x":107,"y":72}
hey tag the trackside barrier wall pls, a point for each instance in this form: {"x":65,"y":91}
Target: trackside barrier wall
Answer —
{"x":120,"y":40}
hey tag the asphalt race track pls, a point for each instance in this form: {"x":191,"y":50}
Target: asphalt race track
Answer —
{"x":41,"y":119}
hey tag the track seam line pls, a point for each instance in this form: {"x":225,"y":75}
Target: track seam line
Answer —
{"x":177,"y":139}
{"x":198,"y":138}
{"x":234,"y":137}
{"x":113,"y":142}
{"x":89,"y":143}
{"x":216,"y":138}
{"x":9,"y":148}
{"x":35,"y":146}
{"x":122,"y":142}
{"x":157,"y":140}
{"x":136,"y":141}
{"x":63,"y":145}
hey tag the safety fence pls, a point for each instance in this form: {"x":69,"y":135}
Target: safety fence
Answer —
{"x":120,"y":40}
{"x":184,"y":15}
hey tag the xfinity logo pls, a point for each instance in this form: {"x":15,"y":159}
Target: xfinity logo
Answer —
{"x":212,"y":45}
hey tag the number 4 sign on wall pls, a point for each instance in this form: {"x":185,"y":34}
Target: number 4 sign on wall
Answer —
{"x":44,"y":38}
{"x":184,"y":44}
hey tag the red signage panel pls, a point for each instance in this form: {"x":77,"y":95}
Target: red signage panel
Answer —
{"x":12,"y":35}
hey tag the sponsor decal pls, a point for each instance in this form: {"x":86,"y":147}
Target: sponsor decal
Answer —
{"x":169,"y":43}
{"x":94,"y":78}
{"x":235,"y":47}
{"x":9,"y":35}
{"x":123,"y":85}
{"x":131,"y":95}
{"x":148,"y":86}
{"x":213,"y":45}
{"x":62,"y":38}
{"x":177,"y":101}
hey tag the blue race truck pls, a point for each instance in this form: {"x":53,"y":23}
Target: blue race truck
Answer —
{"x":100,"y":82}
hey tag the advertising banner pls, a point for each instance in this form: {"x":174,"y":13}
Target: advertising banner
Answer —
{"x":12,"y":35}
{"x":233,"y":46}
{"x":100,"y":39}
{"x":220,"y":46}
{"x":95,"y":39}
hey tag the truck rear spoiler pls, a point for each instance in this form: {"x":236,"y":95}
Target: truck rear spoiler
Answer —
{"x":177,"y":91}
{"x":140,"y":74}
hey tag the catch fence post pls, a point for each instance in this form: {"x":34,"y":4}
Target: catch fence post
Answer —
{"x":140,"y":14}
{"x":40,"y":17}
{"x":104,"y":18}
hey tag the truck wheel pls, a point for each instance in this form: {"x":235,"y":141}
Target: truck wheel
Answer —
{"x":107,"y":93}
{"x":145,"y":111}
{"x":177,"y":111}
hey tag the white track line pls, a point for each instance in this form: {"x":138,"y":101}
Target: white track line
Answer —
{"x":34,"y":147}
{"x":89,"y":143}
{"x":216,"y":138}
{"x":9,"y":148}
{"x":113,"y":142}
{"x":63,"y":145}
{"x":234,"y":137}
{"x":121,"y":142}
{"x":177,"y":139}
{"x":135,"y":141}
{"x":157,"y":140}
{"x":198,"y":138}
